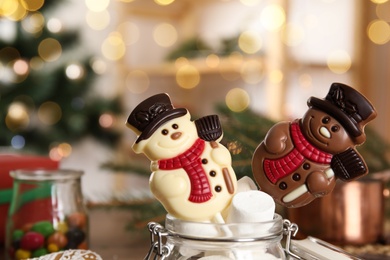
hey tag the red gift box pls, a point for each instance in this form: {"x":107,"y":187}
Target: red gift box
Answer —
{"x":9,"y":162}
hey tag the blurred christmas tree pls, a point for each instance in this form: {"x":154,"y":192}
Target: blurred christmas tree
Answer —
{"x":45,"y":98}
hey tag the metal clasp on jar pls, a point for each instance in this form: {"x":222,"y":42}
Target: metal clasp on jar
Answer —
{"x":158,"y":249}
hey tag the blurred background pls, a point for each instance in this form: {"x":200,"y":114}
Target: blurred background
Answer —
{"x":71,"y":71}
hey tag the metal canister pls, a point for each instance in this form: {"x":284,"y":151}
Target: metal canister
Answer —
{"x":353,"y":214}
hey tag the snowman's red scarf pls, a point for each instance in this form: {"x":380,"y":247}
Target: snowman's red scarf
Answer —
{"x":279,"y":168}
{"x":191,"y":162}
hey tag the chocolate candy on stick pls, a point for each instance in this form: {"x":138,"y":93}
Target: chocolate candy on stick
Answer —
{"x":299,"y":161}
{"x":191,"y":172}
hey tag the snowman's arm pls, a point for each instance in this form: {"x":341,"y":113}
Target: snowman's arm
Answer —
{"x":220,"y":154}
{"x":168,"y":184}
{"x":276,"y":139}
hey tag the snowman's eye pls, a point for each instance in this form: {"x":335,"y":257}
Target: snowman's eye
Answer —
{"x":164,"y":131}
{"x":325,"y":120}
{"x":335,"y":128}
{"x":175,"y":126}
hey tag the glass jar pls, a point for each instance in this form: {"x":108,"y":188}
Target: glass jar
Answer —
{"x":47,"y":213}
{"x":206,"y":241}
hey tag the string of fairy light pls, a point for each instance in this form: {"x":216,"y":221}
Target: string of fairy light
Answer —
{"x":188,"y":75}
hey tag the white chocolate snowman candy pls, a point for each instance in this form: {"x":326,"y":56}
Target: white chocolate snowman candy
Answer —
{"x":191,"y":172}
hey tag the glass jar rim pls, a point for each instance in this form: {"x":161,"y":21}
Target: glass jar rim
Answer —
{"x":225,"y":232}
{"x":42,"y":174}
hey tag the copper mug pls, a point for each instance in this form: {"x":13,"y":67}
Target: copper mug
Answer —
{"x":353,"y":214}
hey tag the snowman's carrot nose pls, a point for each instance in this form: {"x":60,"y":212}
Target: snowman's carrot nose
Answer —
{"x":175,"y":135}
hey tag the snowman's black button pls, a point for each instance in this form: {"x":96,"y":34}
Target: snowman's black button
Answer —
{"x":306,"y":166}
{"x":296,"y":177}
{"x":283,"y":185}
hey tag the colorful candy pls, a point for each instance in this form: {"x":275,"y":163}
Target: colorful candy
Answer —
{"x":58,"y":238}
{"x":22,"y":254}
{"x":32,"y":240}
{"x":40,"y":238}
{"x":44,"y":227}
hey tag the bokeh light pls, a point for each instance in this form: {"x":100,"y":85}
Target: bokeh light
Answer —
{"x":59,"y":151}
{"x":98,"y":66}
{"x":181,"y":61}
{"x":165,"y":34}
{"x":212,"y":60}
{"x":237,"y":100}
{"x":33,"y":23}
{"x":98,"y":20}
{"x":273,"y":17}
{"x":382,"y":11}
{"x":252,"y":71}
{"x":305,"y":81}
{"x":49,"y":113}
{"x":164,"y":2}
{"x":97,"y":5}
{"x":32,"y":5}
{"x":8,"y":55}
{"x":36,"y":63}
{"x":17,"y":116}
{"x":13,"y":10}
{"x":275,"y":76}
{"x":379,"y":32}
{"x":21,"y":67}
{"x":21,"y":70}
{"x":339,"y":61}
{"x":250,"y":42}
{"x":8,"y":7}
{"x":18,"y":142}
{"x":187,"y":76}
{"x":54,"y":154}
{"x":64,"y":149}
{"x":379,"y":1}
{"x":293,"y":34}
{"x":250,"y":2}
{"x":106,"y":120}
{"x":54,"y":25}
{"x":50,"y":49}
{"x":137,"y":81}
{"x":130,"y":32}
{"x":113,"y":47}
{"x":74,"y":71}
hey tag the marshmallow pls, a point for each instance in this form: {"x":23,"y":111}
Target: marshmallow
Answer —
{"x":245,"y":184}
{"x":251,"y":206}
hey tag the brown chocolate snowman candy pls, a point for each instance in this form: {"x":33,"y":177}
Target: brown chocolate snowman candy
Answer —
{"x":299,"y":161}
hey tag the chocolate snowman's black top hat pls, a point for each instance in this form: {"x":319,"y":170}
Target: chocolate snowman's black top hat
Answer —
{"x":348,"y":106}
{"x":151,"y":113}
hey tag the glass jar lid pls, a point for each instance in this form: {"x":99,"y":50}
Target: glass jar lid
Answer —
{"x":46,"y":174}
